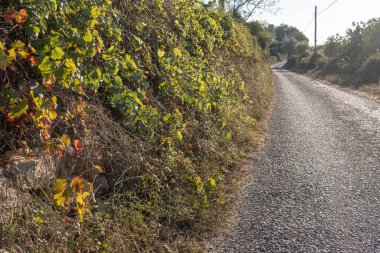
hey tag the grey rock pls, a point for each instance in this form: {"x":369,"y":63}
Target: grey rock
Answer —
{"x":101,"y":185}
{"x":33,"y":173}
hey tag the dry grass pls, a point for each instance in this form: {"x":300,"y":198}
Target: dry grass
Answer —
{"x":152,"y":204}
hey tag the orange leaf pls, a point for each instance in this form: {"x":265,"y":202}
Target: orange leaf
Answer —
{"x":78,"y":146}
{"x":34,"y":61}
{"x":23,"y":13}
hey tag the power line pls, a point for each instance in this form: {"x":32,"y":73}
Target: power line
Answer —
{"x":324,"y":3}
{"x":328,"y":7}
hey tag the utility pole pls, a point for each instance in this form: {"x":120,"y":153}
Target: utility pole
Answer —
{"x":315,"y":31}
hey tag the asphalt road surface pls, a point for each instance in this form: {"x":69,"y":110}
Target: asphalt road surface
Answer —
{"x":316,"y":185}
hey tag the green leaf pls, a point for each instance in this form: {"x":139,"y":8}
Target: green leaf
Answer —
{"x":167,"y":116}
{"x":32,"y":30}
{"x":109,"y":55}
{"x":177,"y":52}
{"x":4,"y":61}
{"x":95,"y":12}
{"x":179,"y":136}
{"x":57,"y":53}
{"x":69,"y":63}
{"x":131,"y":62}
{"x":88,"y":36}
{"x":19,"y":110}
{"x":46,"y":65}
{"x":160,"y":53}
{"x":138,"y":101}
{"x":228,"y":136}
{"x":18,"y":44}
{"x":93,"y":23}
{"x":118,"y":80}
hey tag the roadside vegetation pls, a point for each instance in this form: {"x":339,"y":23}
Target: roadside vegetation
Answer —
{"x":352,"y":59}
{"x":146,"y":110}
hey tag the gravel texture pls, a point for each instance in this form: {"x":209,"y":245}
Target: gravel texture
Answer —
{"x":316,"y":185}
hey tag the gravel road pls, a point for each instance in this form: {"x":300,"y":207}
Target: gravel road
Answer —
{"x":316,"y":185}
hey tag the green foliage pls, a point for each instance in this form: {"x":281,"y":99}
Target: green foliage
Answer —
{"x":353,"y":56}
{"x":283,"y":32}
{"x":177,"y":83}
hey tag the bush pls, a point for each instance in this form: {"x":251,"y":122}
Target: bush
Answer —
{"x":370,"y":70}
{"x":161,"y":97}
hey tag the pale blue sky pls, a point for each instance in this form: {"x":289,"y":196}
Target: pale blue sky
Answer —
{"x":337,"y":19}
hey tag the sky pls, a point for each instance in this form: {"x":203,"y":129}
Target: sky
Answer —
{"x":337,"y":19}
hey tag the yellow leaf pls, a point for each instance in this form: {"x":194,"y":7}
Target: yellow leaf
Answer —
{"x":77,"y":184}
{"x":160,"y":53}
{"x":18,"y":44}
{"x":12,"y":54}
{"x":65,"y":139}
{"x":69,"y":63}
{"x":52,"y":115}
{"x":177,"y":52}
{"x":100,"y":169}
{"x":211,"y":182}
{"x":23,"y":53}
{"x":39,"y":220}
{"x":60,"y":199}
{"x":88,"y":36}
{"x":179,"y":136}
{"x":59,"y":185}
{"x":79,"y":199}
{"x":95,"y":12}
{"x":1,"y":46}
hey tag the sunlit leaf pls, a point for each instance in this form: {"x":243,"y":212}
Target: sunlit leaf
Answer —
{"x":18,"y":44}
{"x":19,"y":110}
{"x":88,"y":36}
{"x":46,"y":65}
{"x":179,"y":136}
{"x":160,"y":53}
{"x":69,"y":63}
{"x":57,"y":53}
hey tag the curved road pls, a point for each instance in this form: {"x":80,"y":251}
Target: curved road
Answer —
{"x":316,"y":185}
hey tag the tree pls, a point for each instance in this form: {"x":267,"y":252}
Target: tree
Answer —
{"x":263,"y":36}
{"x":244,"y":9}
{"x":289,"y":46}
{"x":333,"y":46}
{"x":222,"y":4}
{"x":284,"y":31}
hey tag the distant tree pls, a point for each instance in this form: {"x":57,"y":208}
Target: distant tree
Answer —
{"x":263,"y":36}
{"x":333,"y":46}
{"x":222,"y":4}
{"x":255,"y":27}
{"x":275,"y":48}
{"x":302,"y":48}
{"x":289,"y":46}
{"x":284,"y":31}
{"x":245,"y":9}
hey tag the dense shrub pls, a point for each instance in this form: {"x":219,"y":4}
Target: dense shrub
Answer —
{"x":370,"y":70}
{"x":159,"y":96}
